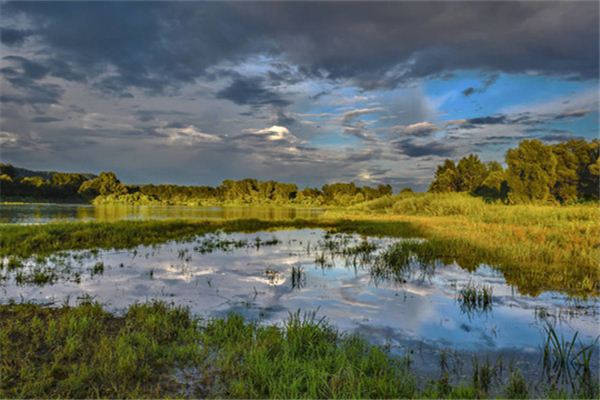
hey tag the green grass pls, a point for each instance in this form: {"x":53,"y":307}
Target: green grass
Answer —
{"x":155,"y":350}
{"x":475,"y":298}
{"x":44,"y":239}
{"x":84,"y":352}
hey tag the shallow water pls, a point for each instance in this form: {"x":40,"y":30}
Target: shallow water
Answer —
{"x":44,"y":213}
{"x":257,"y":282}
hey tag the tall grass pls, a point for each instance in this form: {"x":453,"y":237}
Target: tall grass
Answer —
{"x":155,"y":350}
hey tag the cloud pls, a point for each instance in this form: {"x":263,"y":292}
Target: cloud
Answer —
{"x":573,"y":114}
{"x":8,"y":139}
{"x":351,"y":115}
{"x":251,"y":91}
{"x":486,"y":84}
{"x":44,"y":119}
{"x":11,"y":37}
{"x":413,"y":148}
{"x":189,"y":135}
{"x":418,"y":129}
{"x":275,"y":133}
{"x":167,"y":44}
{"x":358,"y":128}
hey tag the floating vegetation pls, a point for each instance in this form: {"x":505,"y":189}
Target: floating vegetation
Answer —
{"x":475,"y":298}
{"x":38,"y":275}
{"x":215,"y":242}
{"x":274,"y":277}
{"x":98,"y":268}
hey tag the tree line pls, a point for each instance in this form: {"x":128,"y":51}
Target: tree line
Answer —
{"x":566,"y":173}
{"x":107,"y":188}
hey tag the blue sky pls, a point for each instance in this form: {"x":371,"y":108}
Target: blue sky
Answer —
{"x":312,"y":93}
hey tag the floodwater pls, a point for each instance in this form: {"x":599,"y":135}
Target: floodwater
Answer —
{"x":267,"y":278}
{"x":43,"y":213}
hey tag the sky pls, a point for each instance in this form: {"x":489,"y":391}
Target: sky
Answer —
{"x":310,"y":93}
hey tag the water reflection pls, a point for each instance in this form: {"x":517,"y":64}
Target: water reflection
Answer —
{"x":310,"y":269}
{"x":43,"y":213}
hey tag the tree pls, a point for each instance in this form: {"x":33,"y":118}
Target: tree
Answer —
{"x":8,"y":169}
{"x":446,"y":178}
{"x":531,"y":172}
{"x":471,"y":173}
{"x":106,"y":183}
{"x":494,"y":186}
{"x":567,"y":178}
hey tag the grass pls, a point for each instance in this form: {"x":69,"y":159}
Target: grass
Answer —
{"x":566,"y":361}
{"x":536,"y":247}
{"x":155,"y":350}
{"x":476,"y":298}
{"x":84,"y":352}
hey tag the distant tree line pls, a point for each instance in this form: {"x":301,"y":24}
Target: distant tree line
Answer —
{"x":566,"y":172}
{"x":106,"y":188}
{"x":252,"y":191}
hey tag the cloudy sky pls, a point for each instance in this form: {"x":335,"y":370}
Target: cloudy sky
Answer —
{"x":311,"y":93}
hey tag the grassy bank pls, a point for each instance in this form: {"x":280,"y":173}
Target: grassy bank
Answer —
{"x":155,"y":351}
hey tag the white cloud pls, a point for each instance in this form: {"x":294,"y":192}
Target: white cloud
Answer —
{"x":418,"y":129}
{"x":8,"y":138}
{"x":188,"y":136}
{"x":350,"y":115}
{"x":275,"y":133}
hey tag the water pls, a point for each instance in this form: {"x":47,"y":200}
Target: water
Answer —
{"x":44,"y":213}
{"x":420,"y":313}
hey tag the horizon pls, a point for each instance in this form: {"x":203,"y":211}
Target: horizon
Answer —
{"x":306,"y":93}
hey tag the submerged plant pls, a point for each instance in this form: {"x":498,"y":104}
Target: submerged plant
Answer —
{"x":476,"y":298}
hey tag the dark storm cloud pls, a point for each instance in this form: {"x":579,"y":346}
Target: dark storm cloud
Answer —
{"x":251,"y":91}
{"x":159,"y":45}
{"x":412,"y":148}
{"x":32,"y":93}
{"x":11,"y":37}
{"x":489,"y":120}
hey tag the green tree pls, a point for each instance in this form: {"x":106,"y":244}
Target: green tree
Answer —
{"x":8,"y":169}
{"x":567,"y":178}
{"x":105,"y":184}
{"x":494,"y":186}
{"x":446,"y":178}
{"x":531,"y":172}
{"x":471,"y":173}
